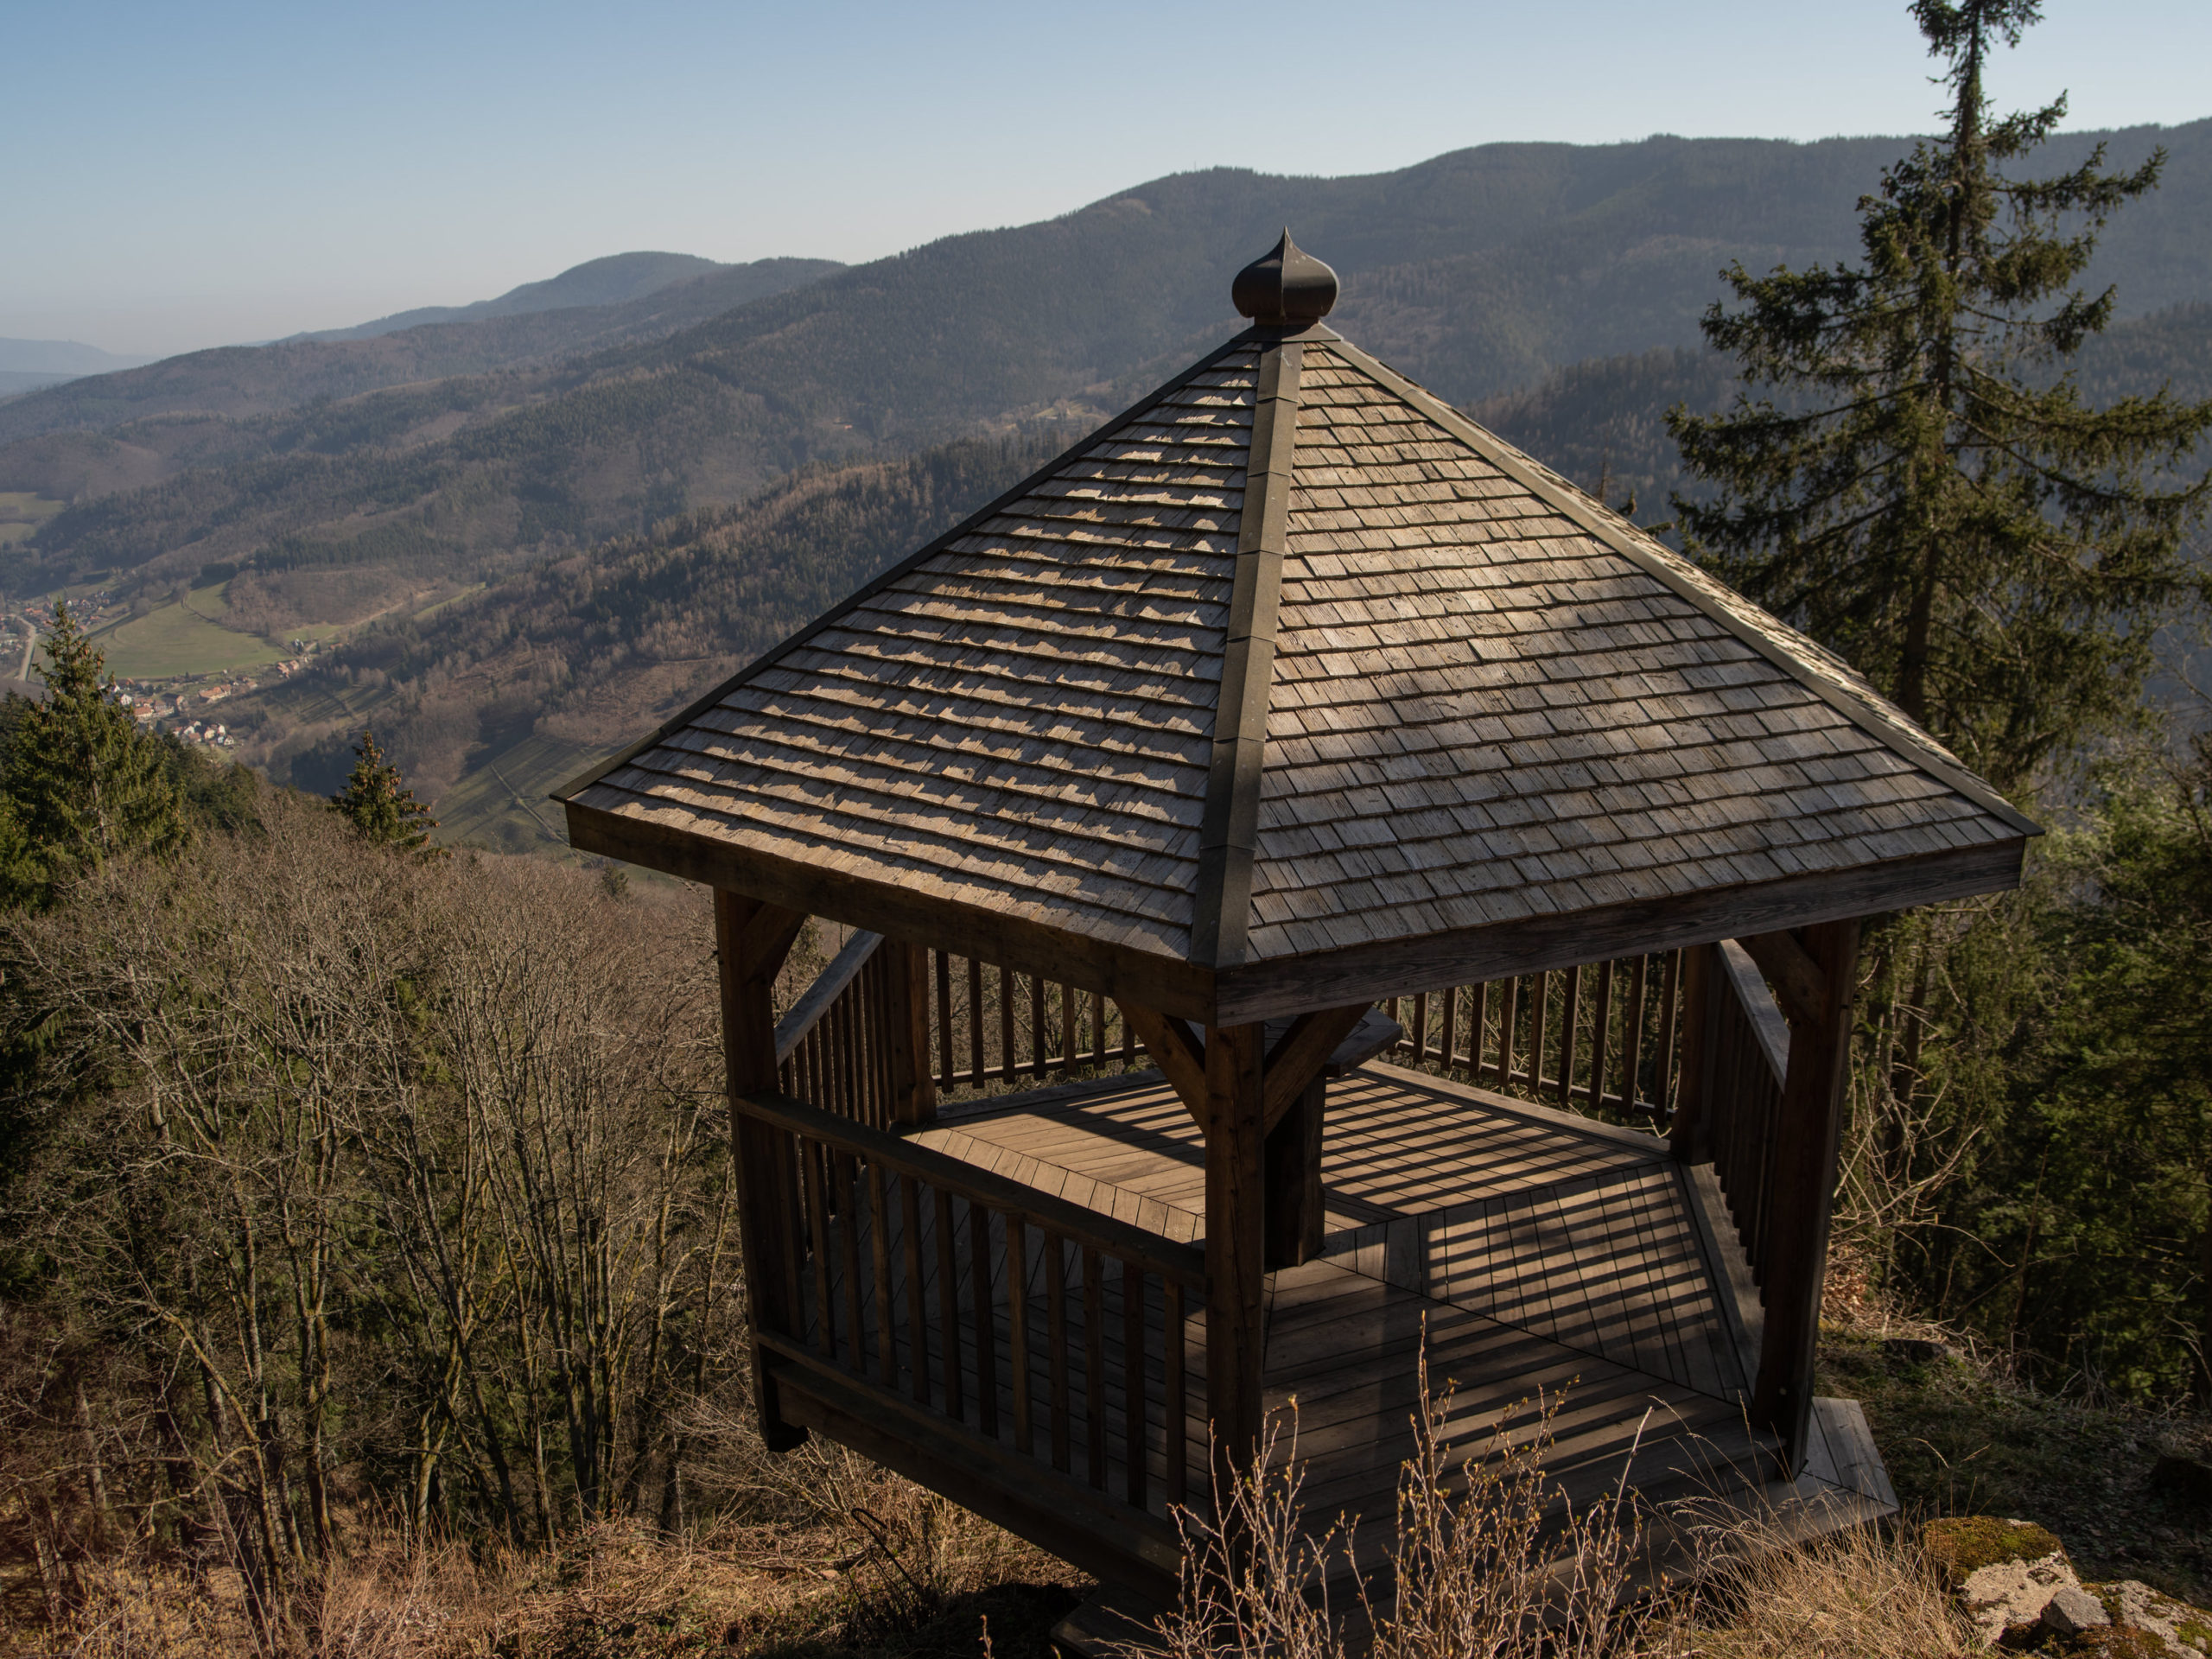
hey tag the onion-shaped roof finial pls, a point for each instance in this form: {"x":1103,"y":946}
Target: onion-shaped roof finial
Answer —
{"x":1284,"y":286}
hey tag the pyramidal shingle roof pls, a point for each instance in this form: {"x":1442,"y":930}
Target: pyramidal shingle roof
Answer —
{"x":1292,"y":658}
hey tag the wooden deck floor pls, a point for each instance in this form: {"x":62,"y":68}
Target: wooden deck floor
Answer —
{"x":1533,"y":1250}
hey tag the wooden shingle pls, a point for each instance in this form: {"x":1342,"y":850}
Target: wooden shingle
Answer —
{"x":1474,"y":699}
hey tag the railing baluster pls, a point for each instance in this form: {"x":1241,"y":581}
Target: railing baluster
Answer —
{"x":1670,"y":1013}
{"x":948,"y":1305}
{"x":1570,"y":1014}
{"x":1056,"y":1331}
{"x":942,"y":963}
{"x":819,"y":1227}
{"x":1036,"y":1025}
{"x":1509,"y":1016}
{"x":1632,"y":1058}
{"x":1420,"y":1032}
{"x":975,"y":1022}
{"x":878,"y":1234}
{"x":1017,"y":1302}
{"x":1133,"y":1381}
{"x":1176,"y":1406}
{"x":1601,"y":1027}
{"x":986,"y":1318}
{"x":917,"y":1320}
{"x":847,"y":1173}
{"x":1449,"y":1047}
{"x":1094,"y":1354}
{"x":1009,"y":1059}
{"x":1069,"y":1052}
{"x":1477,"y":1027}
{"x":1539,"y":1013}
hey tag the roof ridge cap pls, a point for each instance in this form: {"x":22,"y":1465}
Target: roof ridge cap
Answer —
{"x":1807,"y":661}
{"x":1221,"y":902}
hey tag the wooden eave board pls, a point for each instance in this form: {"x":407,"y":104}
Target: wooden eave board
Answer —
{"x":1019,"y":723}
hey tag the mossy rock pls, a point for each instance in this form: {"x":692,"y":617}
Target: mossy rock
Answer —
{"x":2115,"y":1642}
{"x":1962,"y":1545}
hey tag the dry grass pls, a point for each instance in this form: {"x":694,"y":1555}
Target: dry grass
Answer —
{"x":824,"y":1555}
{"x":1863,"y":1593}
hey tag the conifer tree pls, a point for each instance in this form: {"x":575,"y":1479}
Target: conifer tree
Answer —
{"x":83,"y":784}
{"x":1912,"y":476}
{"x":382,"y":809}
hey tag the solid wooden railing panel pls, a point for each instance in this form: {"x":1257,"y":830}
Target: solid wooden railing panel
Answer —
{"x":1749,"y":1060}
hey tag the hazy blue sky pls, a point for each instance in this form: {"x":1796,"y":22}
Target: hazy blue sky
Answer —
{"x":178,"y":175}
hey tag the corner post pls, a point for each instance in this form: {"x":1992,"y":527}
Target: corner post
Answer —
{"x":913,"y":1082}
{"x":1235,"y":1229}
{"x":766,"y":1221}
{"x":1690,"y":1135}
{"x":1802,"y":1185}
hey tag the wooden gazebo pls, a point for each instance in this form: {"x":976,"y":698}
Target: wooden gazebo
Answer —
{"x":1321,"y":877}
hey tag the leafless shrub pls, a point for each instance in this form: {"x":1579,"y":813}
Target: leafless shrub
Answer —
{"x":1488,"y":1559}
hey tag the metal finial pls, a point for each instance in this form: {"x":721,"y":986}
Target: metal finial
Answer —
{"x":1287,"y":285}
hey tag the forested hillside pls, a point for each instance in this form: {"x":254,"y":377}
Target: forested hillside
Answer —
{"x":504,"y":696}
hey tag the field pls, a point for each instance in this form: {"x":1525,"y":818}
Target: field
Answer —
{"x":502,"y":802}
{"x":22,"y":513}
{"x":181,"y":639}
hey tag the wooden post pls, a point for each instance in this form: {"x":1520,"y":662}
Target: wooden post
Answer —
{"x":1802,"y":1185}
{"x":913,"y":1081}
{"x":1691,"y":1133}
{"x":1296,"y":1214}
{"x":752,"y":940}
{"x":1235,"y":1211}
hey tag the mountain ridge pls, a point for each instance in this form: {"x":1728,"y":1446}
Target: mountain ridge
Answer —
{"x":612,"y":279}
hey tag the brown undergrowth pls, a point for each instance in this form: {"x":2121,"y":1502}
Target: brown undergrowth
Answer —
{"x":831,"y":1556}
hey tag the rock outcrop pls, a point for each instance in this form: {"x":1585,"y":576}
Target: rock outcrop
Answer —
{"x":2016,"y":1584}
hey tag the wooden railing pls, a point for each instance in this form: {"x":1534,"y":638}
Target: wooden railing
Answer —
{"x":1046,"y":1328}
{"x":1747,"y":1057}
{"x":1605,"y":1035}
{"x":992,"y":1024}
{"x":833,"y":1049}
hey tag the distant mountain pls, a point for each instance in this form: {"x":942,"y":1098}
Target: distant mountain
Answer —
{"x":60,"y":356}
{"x":611,"y":281}
{"x":14,"y":381}
{"x":246,"y":381}
{"x":467,"y":451}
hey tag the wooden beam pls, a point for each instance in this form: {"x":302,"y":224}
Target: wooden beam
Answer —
{"x":1292,"y":985}
{"x":1799,"y":985}
{"x":767,"y":939}
{"x":1297,"y":1208}
{"x":1800,"y":1189}
{"x":1175,"y":1049}
{"x":1690,"y":1134}
{"x":979,"y":931}
{"x":1235,"y":1241}
{"x":1304,"y":1050}
{"x":767,"y":1225}
{"x":913,"y":1081}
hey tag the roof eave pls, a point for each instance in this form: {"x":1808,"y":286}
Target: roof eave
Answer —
{"x":1285,"y":986}
{"x":1151,"y":979}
